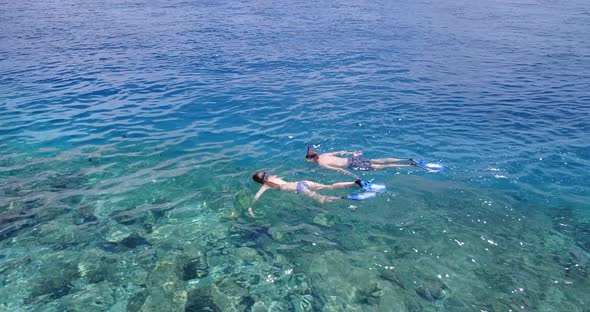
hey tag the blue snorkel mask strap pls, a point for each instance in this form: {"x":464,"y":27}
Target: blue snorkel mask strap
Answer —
{"x":264,"y":176}
{"x":308,"y":147}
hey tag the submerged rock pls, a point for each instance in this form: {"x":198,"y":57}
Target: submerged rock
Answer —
{"x":84,"y":214}
{"x":244,"y":200}
{"x":302,"y":303}
{"x":54,"y":286}
{"x":277,"y":234}
{"x":165,"y":288}
{"x":133,"y":241}
{"x":195,"y":268}
{"x":120,"y":237}
{"x":575,"y":263}
{"x":279,"y":306}
{"x":299,"y":284}
{"x":145,"y":215}
{"x":454,"y":304}
{"x":252,"y":236}
{"x":322,"y":220}
{"x":10,"y":229}
{"x":94,"y":297}
{"x":370,"y":295}
{"x":67,"y":180}
{"x":200,"y":299}
{"x":246,"y":253}
{"x":431,"y":291}
{"x":392,"y":278}
{"x":116,"y":234}
{"x":22,"y":214}
{"x":246,"y":303}
{"x":136,"y":302}
{"x":259,"y":307}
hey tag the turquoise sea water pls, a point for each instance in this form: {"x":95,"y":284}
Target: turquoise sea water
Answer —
{"x":129,"y":131}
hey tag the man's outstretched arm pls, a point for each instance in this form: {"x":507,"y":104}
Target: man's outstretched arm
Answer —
{"x":342,"y":153}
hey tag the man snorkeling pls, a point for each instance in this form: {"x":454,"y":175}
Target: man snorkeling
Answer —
{"x":331,"y":161}
{"x":303,"y":187}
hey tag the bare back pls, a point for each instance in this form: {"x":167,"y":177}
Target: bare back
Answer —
{"x":327,"y":160}
{"x":283,"y":185}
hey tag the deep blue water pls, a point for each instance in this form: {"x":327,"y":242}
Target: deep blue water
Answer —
{"x":166,"y":108}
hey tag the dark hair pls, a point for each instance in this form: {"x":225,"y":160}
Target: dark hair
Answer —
{"x":259,"y":177}
{"x":313,"y":155}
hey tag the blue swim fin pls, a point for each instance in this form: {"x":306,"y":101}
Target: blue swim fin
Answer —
{"x":431,"y":167}
{"x":362,"y":196}
{"x":373,"y":187}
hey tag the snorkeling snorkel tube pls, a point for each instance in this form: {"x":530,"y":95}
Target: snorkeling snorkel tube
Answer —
{"x":308,"y":147}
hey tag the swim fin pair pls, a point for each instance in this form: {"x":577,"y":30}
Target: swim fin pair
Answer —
{"x":362,"y":196}
{"x":429,"y":166}
{"x":371,"y":187}
{"x":371,"y":190}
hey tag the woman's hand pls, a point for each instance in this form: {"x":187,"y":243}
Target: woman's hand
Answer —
{"x":251,"y":212}
{"x":357,"y":153}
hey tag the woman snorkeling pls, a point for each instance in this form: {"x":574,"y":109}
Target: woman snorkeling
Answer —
{"x":303,"y":187}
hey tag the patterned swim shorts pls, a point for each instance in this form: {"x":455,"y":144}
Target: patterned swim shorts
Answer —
{"x":357,"y":163}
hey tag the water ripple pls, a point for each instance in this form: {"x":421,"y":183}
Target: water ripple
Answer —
{"x":168,"y":108}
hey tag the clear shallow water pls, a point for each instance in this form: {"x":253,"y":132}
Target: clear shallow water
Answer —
{"x":129,"y":132}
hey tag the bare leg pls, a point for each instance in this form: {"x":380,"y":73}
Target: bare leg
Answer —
{"x":321,"y":198}
{"x":387,"y":160}
{"x":379,"y":167}
{"x":318,"y":186}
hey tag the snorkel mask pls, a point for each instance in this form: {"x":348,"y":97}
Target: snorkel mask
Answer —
{"x":308,"y":147}
{"x":264,"y":176}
